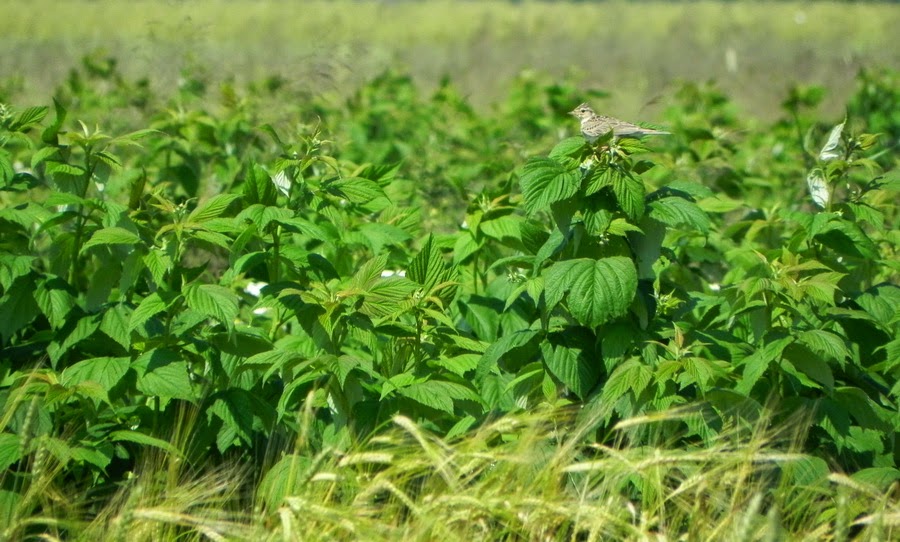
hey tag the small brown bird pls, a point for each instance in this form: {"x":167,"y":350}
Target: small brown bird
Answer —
{"x":594,"y":125}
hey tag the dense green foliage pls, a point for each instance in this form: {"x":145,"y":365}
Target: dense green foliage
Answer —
{"x":217,"y":290}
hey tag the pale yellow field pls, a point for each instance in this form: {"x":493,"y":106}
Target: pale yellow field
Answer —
{"x":636,"y":51}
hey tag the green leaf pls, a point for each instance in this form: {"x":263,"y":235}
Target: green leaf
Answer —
{"x":427,"y":268}
{"x":503,"y":346}
{"x":571,"y":358}
{"x":378,"y":236}
{"x":150,"y":306}
{"x":6,"y":169}
{"x":213,"y":301}
{"x":61,"y":171}
{"x":212,"y":208}
{"x":17,"y":307}
{"x":234,"y":408}
{"x":459,"y":365}
{"x":99,"y":457}
{"x":496,"y":394}
{"x":504,"y":228}
{"x":112,"y":236}
{"x":282,"y":479}
{"x":630,"y":193}
{"x":163,"y":373}
{"x":483,"y":315}
{"x":459,"y":428}
{"x":826,"y":344}
{"x":10,"y":451}
{"x":55,"y":297}
{"x":757,"y":363}
{"x":631,"y":375}
{"x":811,"y":370}
{"x":213,"y":238}
{"x":465,"y":246}
{"x":42,"y":155}
{"x":598,"y":290}
{"x":555,"y":242}
{"x":384,"y":297}
{"x":679,"y":212}
{"x":438,"y":394}
{"x":115,"y":325}
{"x":83,"y":328}
{"x":862,"y":408}
{"x":144,"y":440}
{"x":272,"y":361}
{"x":703,"y":372}
{"x":105,"y":371}
{"x":28,"y":118}
{"x":848,"y":239}
{"x":50,"y":135}
{"x":879,"y":477}
{"x":159,"y":263}
{"x":258,"y":186}
{"x":600,"y":177}
{"x":882,"y":302}
{"x":13,"y":267}
{"x":545,"y":181}
{"x":357,"y":190}
{"x":571,"y":148}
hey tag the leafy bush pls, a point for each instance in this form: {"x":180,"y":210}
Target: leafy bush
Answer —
{"x":213,"y":289}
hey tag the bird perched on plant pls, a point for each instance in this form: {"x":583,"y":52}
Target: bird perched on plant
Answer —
{"x":594,"y":125}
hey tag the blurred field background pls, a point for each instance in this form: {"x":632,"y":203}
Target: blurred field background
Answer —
{"x":638,"y":52}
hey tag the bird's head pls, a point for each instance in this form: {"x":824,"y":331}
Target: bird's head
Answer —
{"x":583,"y":111}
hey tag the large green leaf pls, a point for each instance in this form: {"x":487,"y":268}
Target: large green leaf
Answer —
{"x":258,"y":186}
{"x":115,"y":324}
{"x":74,"y":331}
{"x":242,"y":414}
{"x":483,"y":315}
{"x":17,"y":307}
{"x":631,"y":376}
{"x":630,"y":192}
{"x":570,"y":357}
{"x":378,"y":235}
{"x":545,"y":181}
{"x":438,"y":394}
{"x":757,"y":363}
{"x":880,"y":477}
{"x":10,"y":450}
{"x":112,"y":236}
{"x":12,"y":267}
{"x":150,"y":306}
{"x":212,"y":208}
{"x":429,"y":269}
{"x":598,"y":290}
{"x":503,"y":346}
{"x":105,"y":371}
{"x":28,"y":118}
{"x":214,"y":301}
{"x":848,"y":239}
{"x":56,"y":298}
{"x":679,"y":212}
{"x":825,"y":343}
{"x":882,"y":302}
{"x":356,"y":189}
{"x":163,"y":373}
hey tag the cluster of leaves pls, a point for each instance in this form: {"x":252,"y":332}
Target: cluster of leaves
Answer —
{"x":603,"y":275}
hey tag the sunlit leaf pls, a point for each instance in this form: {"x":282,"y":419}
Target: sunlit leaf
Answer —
{"x":818,"y":188}
{"x":830,"y":150}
